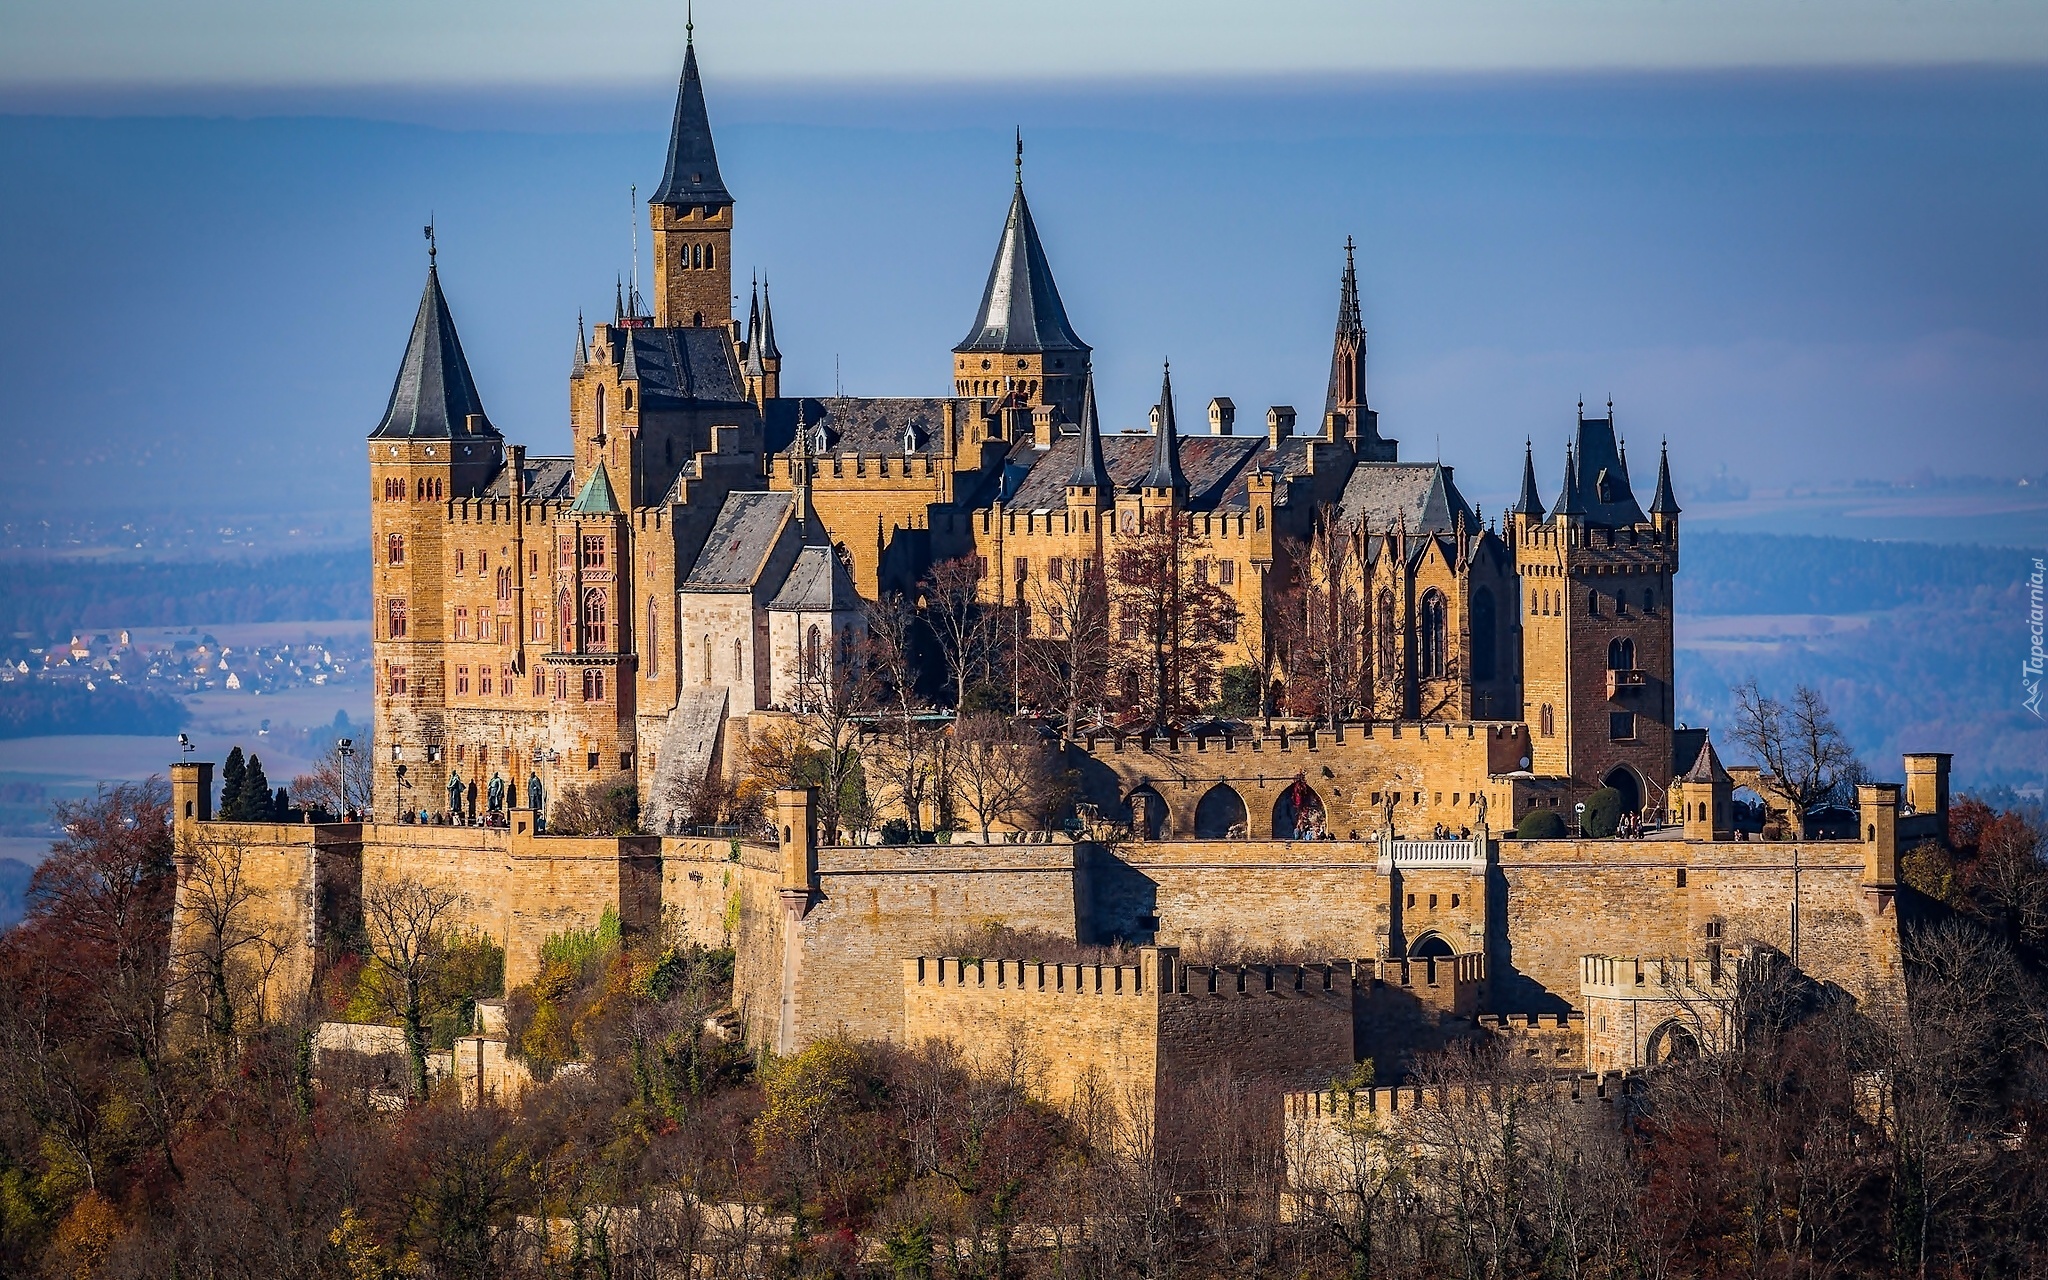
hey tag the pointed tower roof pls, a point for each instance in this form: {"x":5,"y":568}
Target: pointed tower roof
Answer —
{"x":1707,"y":767}
{"x":1665,"y":503}
{"x":754,"y":368}
{"x":769,"y":351}
{"x":691,"y":177}
{"x":1605,"y":495}
{"x":596,"y":497}
{"x":582,"y":347}
{"x":1091,"y":471}
{"x":1021,"y":311}
{"x":1350,"y":338}
{"x":434,"y":394}
{"x":1166,"y":472}
{"x":1568,"y":501}
{"x":1530,"y":506}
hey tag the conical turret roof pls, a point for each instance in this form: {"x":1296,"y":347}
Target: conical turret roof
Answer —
{"x":1166,"y":472}
{"x":1529,"y":505}
{"x":1091,"y":472}
{"x":769,"y":351}
{"x":434,"y":394}
{"x":1665,"y":503}
{"x":1021,"y":311}
{"x":691,"y":177}
{"x":1569,"y":502}
{"x":753,"y":366}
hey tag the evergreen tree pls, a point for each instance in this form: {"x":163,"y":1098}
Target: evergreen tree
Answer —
{"x":255,"y":803}
{"x":231,"y":776}
{"x":281,"y":807}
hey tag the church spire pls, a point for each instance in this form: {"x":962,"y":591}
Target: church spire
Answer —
{"x":1665,"y":504}
{"x":1166,"y":473}
{"x":769,"y":351}
{"x":582,"y":347}
{"x":753,"y":368}
{"x":1091,"y":472}
{"x":1530,"y":507}
{"x":691,"y":176}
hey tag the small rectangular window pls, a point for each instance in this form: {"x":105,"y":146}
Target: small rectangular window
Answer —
{"x":462,"y":679}
{"x":1621,"y":726}
{"x":1226,"y":572}
{"x":458,"y":562}
{"x":593,"y":551}
{"x":484,"y":677}
{"x":591,"y":762}
{"x":1023,"y":568}
{"x":461,"y":623}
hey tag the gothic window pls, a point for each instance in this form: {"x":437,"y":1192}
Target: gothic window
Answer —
{"x":394,"y":616}
{"x":504,"y":584}
{"x":696,"y":257}
{"x":394,"y":549}
{"x":561,"y":686}
{"x":1433,"y":639}
{"x":593,"y":684}
{"x":1621,"y":654}
{"x":1593,"y":603}
{"x":600,"y":412}
{"x":650,"y":643}
{"x":811,"y":649}
{"x":1649,"y":601}
{"x":629,"y":399}
{"x":593,"y":551}
{"x":1483,"y":625}
{"x":595,"y":633}
{"x":738,"y":659}
{"x":565,"y":617}
{"x":483,"y":625}
{"x":710,"y":256}
{"x":1386,"y":633}
{"x":1548,"y":721}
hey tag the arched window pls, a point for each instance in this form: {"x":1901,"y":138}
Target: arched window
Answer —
{"x":650,"y":644}
{"x":1649,"y":601}
{"x":1548,"y":721}
{"x":1621,"y":654}
{"x":629,"y":399}
{"x":738,"y":658}
{"x":1483,"y":624}
{"x":596,"y":635}
{"x":1593,"y":603}
{"x":710,"y":256}
{"x":1432,"y":655}
{"x":565,"y":621}
{"x":707,"y":658}
{"x":1387,"y":623}
{"x":696,"y":257}
{"x":811,"y":649}
{"x":394,"y":549}
{"x":504,"y":584}
{"x":600,"y":412}
{"x":394,"y":615}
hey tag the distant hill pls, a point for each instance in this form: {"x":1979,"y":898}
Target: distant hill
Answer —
{"x":14,"y":878}
{"x":1733,"y":573}
{"x":49,"y":600}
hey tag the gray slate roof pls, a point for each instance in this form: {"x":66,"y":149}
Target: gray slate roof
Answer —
{"x":434,"y":393}
{"x":1214,"y":467}
{"x":1603,"y":484}
{"x":546,"y":479}
{"x":817,"y":583}
{"x":862,"y":424}
{"x":1420,"y":494}
{"x":1021,"y":311}
{"x":681,"y":367}
{"x":691,"y":177}
{"x":1707,"y":767}
{"x":741,"y":538}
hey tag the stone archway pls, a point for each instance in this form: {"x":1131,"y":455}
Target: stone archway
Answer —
{"x":1623,"y":779}
{"x":1671,"y":1042}
{"x":1431,"y":946}
{"x":1298,"y":813}
{"x":1148,"y":813}
{"x":1220,"y":814}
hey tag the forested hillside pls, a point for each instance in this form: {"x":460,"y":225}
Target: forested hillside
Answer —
{"x":42,"y":601}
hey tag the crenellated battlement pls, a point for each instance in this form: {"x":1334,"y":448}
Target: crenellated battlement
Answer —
{"x":1309,"y":738}
{"x":1640,"y":977}
{"x":1158,"y":973}
{"x":1390,"y":1101}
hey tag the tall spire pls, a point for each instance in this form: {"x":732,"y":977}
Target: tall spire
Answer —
{"x":1021,"y":312}
{"x":769,"y":351}
{"x":1346,"y":394}
{"x":1090,"y":472}
{"x":1166,"y":472}
{"x":691,"y":177}
{"x":753,"y":366}
{"x":434,"y":394}
{"x":1530,"y":507}
{"x":582,"y":347}
{"x":1665,"y":503}
{"x":1569,"y":501}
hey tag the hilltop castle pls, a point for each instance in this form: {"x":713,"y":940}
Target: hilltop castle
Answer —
{"x":637,"y":605}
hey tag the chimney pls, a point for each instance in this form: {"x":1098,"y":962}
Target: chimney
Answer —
{"x":1222,"y":416}
{"x":1279,"y":424}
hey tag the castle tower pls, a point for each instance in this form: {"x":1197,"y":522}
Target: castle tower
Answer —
{"x":435,"y":444}
{"x":1021,"y":342}
{"x":591,"y":668}
{"x":1345,"y":411}
{"x":1703,"y":798}
{"x":691,"y":212}
{"x":1597,"y":636}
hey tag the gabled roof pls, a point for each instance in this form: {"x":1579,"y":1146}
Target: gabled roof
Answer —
{"x":817,"y":583}
{"x":691,"y":177}
{"x":1707,"y":767}
{"x":546,"y":480}
{"x":1214,"y":469}
{"x":860,"y":424}
{"x":1418,"y":496}
{"x":434,"y":394}
{"x":677,"y":368}
{"x":596,"y":498}
{"x":1166,"y":472}
{"x":1021,"y":311}
{"x":741,"y":539}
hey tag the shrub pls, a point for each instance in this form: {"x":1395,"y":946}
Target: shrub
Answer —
{"x":1540,"y":824}
{"x":1603,"y":813}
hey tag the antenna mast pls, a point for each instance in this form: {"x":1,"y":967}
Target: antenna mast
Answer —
{"x":632,"y":208}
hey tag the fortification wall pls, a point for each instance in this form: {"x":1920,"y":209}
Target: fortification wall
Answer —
{"x":1554,"y":900}
{"x":1434,"y":772}
{"x":1285,"y":1025}
{"x":1247,"y":897}
{"x":1070,"y":1027}
{"x":874,"y":906}
{"x":724,"y":893}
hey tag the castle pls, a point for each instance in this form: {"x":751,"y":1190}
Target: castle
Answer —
{"x":638,"y":605}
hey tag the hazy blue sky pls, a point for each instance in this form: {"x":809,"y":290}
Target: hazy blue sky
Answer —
{"x":1785,"y":239}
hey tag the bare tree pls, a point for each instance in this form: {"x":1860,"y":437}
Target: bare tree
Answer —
{"x":835,"y":690}
{"x":997,"y":768}
{"x":407,"y":921}
{"x":912,"y":753}
{"x":1170,"y":619}
{"x":1069,"y":664}
{"x":967,"y":634}
{"x":339,"y":782}
{"x":1798,"y":745}
{"x":1322,"y":623}
{"x":221,"y":931}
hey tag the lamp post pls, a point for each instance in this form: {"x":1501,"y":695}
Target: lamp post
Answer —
{"x":346,"y":748}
